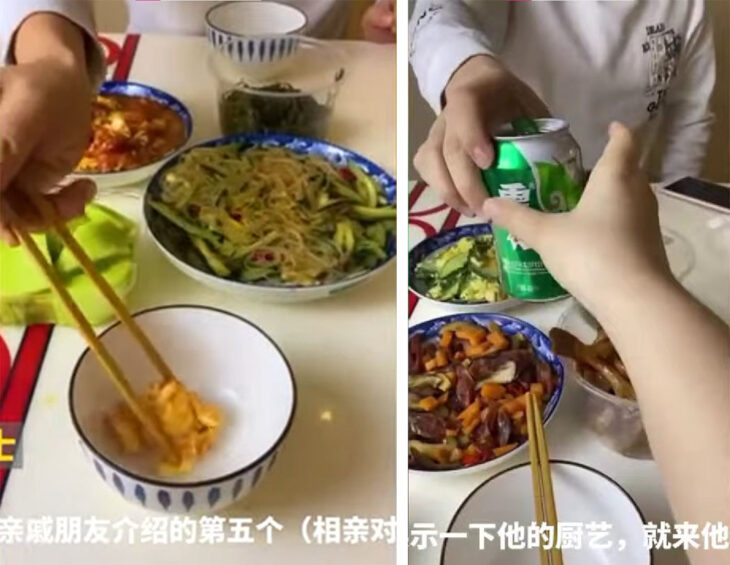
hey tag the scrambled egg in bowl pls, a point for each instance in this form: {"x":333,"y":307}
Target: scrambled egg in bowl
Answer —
{"x":191,"y":425}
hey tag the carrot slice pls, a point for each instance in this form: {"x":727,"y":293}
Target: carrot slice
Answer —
{"x":497,"y":338}
{"x":471,"y":411}
{"x":492,"y":391}
{"x":504,"y":449}
{"x":428,"y":403}
{"x":446,"y":338}
{"x":515,"y":405}
{"x":442,"y":359}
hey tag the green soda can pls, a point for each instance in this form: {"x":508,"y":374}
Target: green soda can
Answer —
{"x":541,"y":170}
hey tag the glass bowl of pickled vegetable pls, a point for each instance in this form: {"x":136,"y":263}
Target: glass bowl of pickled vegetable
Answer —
{"x":294,"y":95}
{"x":614,"y":418}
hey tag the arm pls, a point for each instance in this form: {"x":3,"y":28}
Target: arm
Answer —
{"x":687,"y":120}
{"x":444,"y":34}
{"x":45,"y":113}
{"x":15,"y":14}
{"x":461,"y":77}
{"x":679,"y":358}
{"x":677,"y":352}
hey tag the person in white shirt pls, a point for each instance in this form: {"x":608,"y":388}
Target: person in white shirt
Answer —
{"x":480,"y":64}
{"x":53,"y":64}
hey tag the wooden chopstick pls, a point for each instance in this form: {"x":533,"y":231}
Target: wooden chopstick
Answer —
{"x":542,"y":479}
{"x":102,"y":353}
{"x":50,"y":216}
{"x":537,"y":490}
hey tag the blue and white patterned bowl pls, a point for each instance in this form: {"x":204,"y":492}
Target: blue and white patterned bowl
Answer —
{"x":510,"y":326}
{"x":175,"y":245}
{"x":233,"y":364}
{"x":255,"y":32}
{"x":438,"y":241}
{"x":132,"y":176}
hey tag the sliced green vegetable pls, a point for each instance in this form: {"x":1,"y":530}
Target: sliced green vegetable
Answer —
{"x":214,"y":261}
{"x":369,"y":189}
{"x":369,"y":213}
{"x":183,"y":223}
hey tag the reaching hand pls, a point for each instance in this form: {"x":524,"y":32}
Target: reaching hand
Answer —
{"x":378,"y":22}
{"x":610,"y":242}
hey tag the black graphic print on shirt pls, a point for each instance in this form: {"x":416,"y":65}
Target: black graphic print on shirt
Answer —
{"x":661,"y":51}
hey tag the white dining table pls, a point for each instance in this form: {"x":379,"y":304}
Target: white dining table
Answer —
{"x":339,"y":458}
{"x":433,"y":500}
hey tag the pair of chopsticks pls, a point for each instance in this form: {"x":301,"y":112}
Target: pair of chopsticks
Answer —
{"x":542,"y":482}
{"x":50,"y":216}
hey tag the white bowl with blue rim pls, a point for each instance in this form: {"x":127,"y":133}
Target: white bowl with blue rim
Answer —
{"x":138,"y":174}
{"x":168,"y":237}
{"x":255,"y":32}
{"x":583,"y":495}
{"x":233,"y":364}
{"x":541,"y":345}
{"x":444,"y":239}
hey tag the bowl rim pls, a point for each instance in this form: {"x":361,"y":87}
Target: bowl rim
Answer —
{"x":190,"y":484}
{"x":547,"y":417}
{"x":258,"y":35}
{"x":262,"y":138}
{"x":552,"y":461}
{"x":483,"y":228}
{"x":186,"y":117}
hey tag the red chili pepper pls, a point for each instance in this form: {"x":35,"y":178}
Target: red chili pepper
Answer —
{"x":347,"y":174}
{"x":471,"y":459}
{"x":262,"y":256}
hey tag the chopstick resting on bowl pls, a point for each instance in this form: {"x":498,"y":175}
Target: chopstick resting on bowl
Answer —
{"x":542,"y":482}
{"x":112,"y":368}
{"x":49,"y":215}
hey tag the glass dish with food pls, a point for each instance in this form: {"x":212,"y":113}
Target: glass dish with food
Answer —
{"x":607,"y":397}
{"x":294,"y":95}
{"x":458,"y":270}
{"x":276,"y":217}
{"x":467,"y":383}
{"x":134,"y":128}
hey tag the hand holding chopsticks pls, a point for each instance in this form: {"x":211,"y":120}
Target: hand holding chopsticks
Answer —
{"x":542,"y":483}
{"x":49,"y":215}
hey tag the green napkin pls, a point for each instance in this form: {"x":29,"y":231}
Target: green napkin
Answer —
{"x":109,"y":240}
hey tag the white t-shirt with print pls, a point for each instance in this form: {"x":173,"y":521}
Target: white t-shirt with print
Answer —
{"x":644,"y":63}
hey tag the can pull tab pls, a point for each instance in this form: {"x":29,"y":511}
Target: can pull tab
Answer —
{"x":525,"y":126}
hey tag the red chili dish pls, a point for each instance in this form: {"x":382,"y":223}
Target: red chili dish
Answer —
{"x":129,"y":132}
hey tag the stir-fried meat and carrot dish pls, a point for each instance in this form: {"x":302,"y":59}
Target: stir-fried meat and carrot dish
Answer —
{"x":129,"y":132}
{"x":598,"y":362}
{"x":466,"y":394}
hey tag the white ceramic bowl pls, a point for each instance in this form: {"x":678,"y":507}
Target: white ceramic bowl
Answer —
{"x":510,"y":326}
{"x":254,"y":32}
{"x":582,"y":495}
{"x":228,"y":361}
{"x":179,"y":254}
{"x":106,"y":181}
